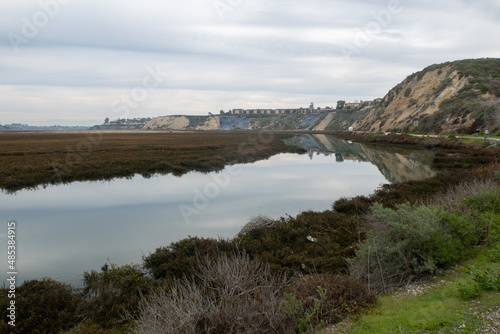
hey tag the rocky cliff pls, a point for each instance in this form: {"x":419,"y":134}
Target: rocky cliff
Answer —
{"x":174,"y":123}
{"x":267,"y":122}
{"x":452,"y":97}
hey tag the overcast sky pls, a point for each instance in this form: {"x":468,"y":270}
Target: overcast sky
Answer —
{"x":80,"y":61}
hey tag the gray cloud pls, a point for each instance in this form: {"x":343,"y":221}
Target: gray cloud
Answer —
{"x":78,"y":56}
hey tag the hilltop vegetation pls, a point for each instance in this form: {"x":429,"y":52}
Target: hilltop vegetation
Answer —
{"x":453,"y":97}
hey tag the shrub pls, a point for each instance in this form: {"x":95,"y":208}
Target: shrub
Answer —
{"x":469,"y":291}
{"x":486,"y":201}
{"x":352,"y":206}
{"x":259,"y":221}
{"x":412,"y":242}
{"x":309,"y":242}
{"x":89,"y":328}
{"x":453,"y":198}
{"x":42,"y":306}
{"x":180,"y":258}
{"x":493,"y":254}
{"x":485,"y":207}
{"x":303,"y":316}
{"x":284,"y":243}
{"x":414,"y":191}
{"x":487,"y":280}
{"x":233,"y":294}
{"x":112,"y":293}
{"x":322,"y":299}
{"x":483,"y":280}
{"x":492,"y":223}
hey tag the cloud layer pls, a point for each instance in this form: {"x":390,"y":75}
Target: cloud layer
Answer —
{"x":78,"y":60}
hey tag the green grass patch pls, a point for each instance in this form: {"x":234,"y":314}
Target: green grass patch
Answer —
{"x":440,"y":310}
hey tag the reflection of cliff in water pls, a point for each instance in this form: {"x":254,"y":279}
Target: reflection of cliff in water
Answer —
{"x":396,"y":164}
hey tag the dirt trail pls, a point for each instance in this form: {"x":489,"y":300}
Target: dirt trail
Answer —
{"x":325,"y":122}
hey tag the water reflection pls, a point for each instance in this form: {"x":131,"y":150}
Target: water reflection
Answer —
{"x":396,"y":164}
{"x":64,"y":230}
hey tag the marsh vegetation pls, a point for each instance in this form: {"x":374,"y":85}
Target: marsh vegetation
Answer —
{"x":28,"y":160}
{"x":294,"y":274}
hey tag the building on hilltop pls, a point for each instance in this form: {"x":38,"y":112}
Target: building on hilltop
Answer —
{"x":342,"y":105}
{"x":352,"y":105}
{"x":301,"y":111}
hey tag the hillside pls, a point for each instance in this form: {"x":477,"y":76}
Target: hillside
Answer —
{"x":258,"y":122}
{"x":451,"y":97}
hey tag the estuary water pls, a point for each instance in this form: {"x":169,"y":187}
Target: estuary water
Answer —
{"x":65,"y":230}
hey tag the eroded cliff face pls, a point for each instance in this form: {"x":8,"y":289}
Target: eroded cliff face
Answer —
{"x":412,"y":99}
{"x":212,"y":123}
{"x":183,"y":123}
{"x":452,"y":97}
{"x":167,"y":123}
{"x":204,"y":123}
{"x":443,"y":98}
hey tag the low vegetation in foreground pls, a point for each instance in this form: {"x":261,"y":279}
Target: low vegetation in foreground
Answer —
{"x":302,"y":274}
{"x":464,"y":299}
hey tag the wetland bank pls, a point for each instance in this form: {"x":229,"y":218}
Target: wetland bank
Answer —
{"x":151,"y":189}
{"x":134,"y":212}
{"x":28,"y":160}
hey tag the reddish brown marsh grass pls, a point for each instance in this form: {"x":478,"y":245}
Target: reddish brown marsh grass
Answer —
{"x":28,"y":160}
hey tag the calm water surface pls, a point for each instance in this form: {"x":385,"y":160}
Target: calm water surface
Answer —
{"x":65,"y":230}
